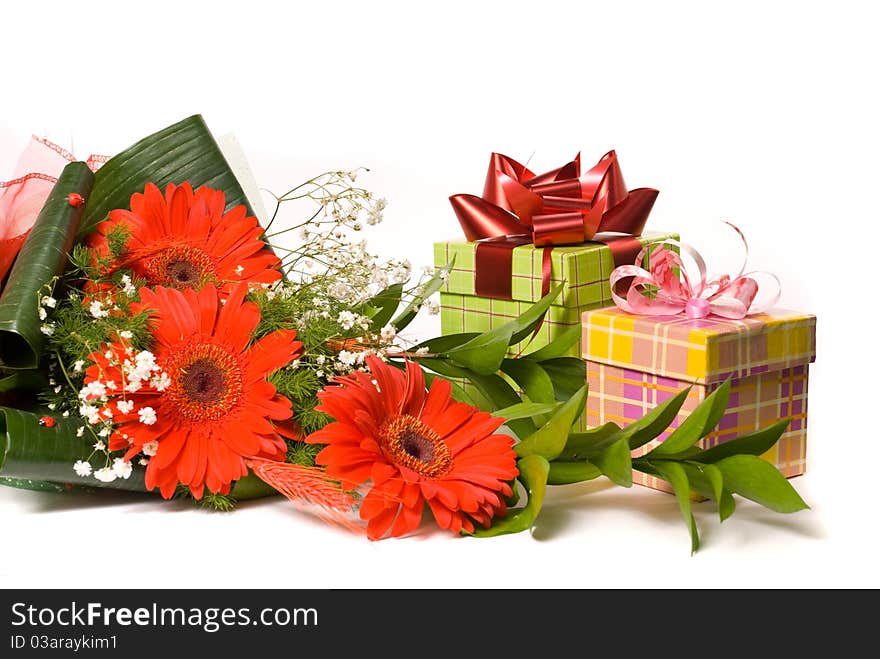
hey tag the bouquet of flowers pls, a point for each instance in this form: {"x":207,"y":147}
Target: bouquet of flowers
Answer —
{"x":155,"y":337}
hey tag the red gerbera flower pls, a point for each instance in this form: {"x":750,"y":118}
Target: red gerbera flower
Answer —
{"x":416,"y":447}
{"x":185,"y":240}
{"x":199,"y":403}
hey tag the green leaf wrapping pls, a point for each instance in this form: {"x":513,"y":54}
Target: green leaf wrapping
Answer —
{"x":185,"y":151}
{"x":43,"y":256}
{"x":533,"y":472}
{"x":568,"y":375}
{"x":756,"y":479}
{"x":31,"y":451}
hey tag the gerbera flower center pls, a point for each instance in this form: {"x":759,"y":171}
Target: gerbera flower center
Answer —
{"x":206,"y":381}
{"x":413,"y":444}
{"x":179,"y":266}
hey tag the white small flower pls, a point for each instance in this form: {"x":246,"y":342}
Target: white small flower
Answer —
{"x":428,"y":270}
{"x":42,"y":313}
{"x":162,"y":382}
{"x":52,"y":406}
{"x":96,"y":308}
{"x":121,"y":468}
{"x":126,"y":334}
{"x":239,"y":269}
{"x":78,"y":365}
{"x":294,"y":364}
{"x":99,"y":446}
{"x":347,"y":358}
{"x":320,"y":359}
{"x":65,"y":413}
{"x":433,"y":307}
{"x":388,"y":333}
{"x":422,"y":351}
{"x":104,"y":432}
{"x":48,"y":329}
{"x":82,"y":468}
{"x":353,"y":175}
{"x":105,"y":475}
{"x":48,"y":301}
{"x":346,"y":319}
{"x":125,"y":406}
{"x":80,"y":431}
{"x":57,"y":389}
{"x":150,"y":448}
{"x":109,"y":354}
{"x":143,"y":462}
{"x":147,"y":415}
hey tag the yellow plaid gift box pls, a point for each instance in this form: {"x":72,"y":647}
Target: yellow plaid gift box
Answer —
{"x":637,"y":362}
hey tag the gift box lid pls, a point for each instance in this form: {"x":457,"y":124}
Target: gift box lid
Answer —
{"x":584,"y":269}
{"x":700,"y":351}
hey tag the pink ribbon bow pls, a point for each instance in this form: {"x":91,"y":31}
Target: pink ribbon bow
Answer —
{"x":22,"y":198}
{"x":664,"y":292}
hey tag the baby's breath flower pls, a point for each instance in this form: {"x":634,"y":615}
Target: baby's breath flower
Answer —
{"x":82,"y":468}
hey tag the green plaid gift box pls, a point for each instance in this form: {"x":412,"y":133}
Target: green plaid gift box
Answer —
{"x":582,"y":269}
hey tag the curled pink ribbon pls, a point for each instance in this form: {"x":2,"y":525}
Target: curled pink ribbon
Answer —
{"x":661,"y":291}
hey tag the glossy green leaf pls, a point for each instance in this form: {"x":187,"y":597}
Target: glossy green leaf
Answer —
{"x":756,"y":443}
{"x":384,"y":305}
{"x":590,"y":442}
{"x":185,"y":151}
{"x":549,"y":440}
{"x":726,"y":504}
{"x":697,"y":424}
{"x":705,"y":479}
{"x":485,"y":352}
{"x":531,"y":378}
{"x":43,"y":256}
{"x":565,"y":473}
{"x":525,"y":324}
{"x":674,"y":474}
{"x":526,"y":410}
{"x":29,"y":450}
{"x":756,"y":479}
{"x":568,"y":374}
{"x":442,"y":344}
{"x":498,"y":393}
{"x":24,"y":381}
{"x":559,"y":346}
{"x":656,"y":421}
{"x":616,"y":462}
{"x":533,"y":472}
{"x":430,"y":287}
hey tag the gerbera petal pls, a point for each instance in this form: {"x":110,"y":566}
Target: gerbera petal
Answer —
{"x":272,"y":352}
{"x":378,"y":526}
{"x":169,"y":448}
{"x":408,"y":519}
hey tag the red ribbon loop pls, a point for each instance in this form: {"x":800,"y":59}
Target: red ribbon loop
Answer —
{"x":559,"y":207}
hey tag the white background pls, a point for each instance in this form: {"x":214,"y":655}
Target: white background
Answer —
{"x":761,"y":113}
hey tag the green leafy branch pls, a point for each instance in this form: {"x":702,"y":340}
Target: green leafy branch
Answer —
{"x":542,"y":394}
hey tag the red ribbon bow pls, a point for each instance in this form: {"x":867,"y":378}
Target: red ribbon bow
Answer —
{"x":559,"y":207}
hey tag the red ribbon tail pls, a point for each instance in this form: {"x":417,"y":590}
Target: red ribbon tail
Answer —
{"x":631,"y":214}
{"x":481,"y":219}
